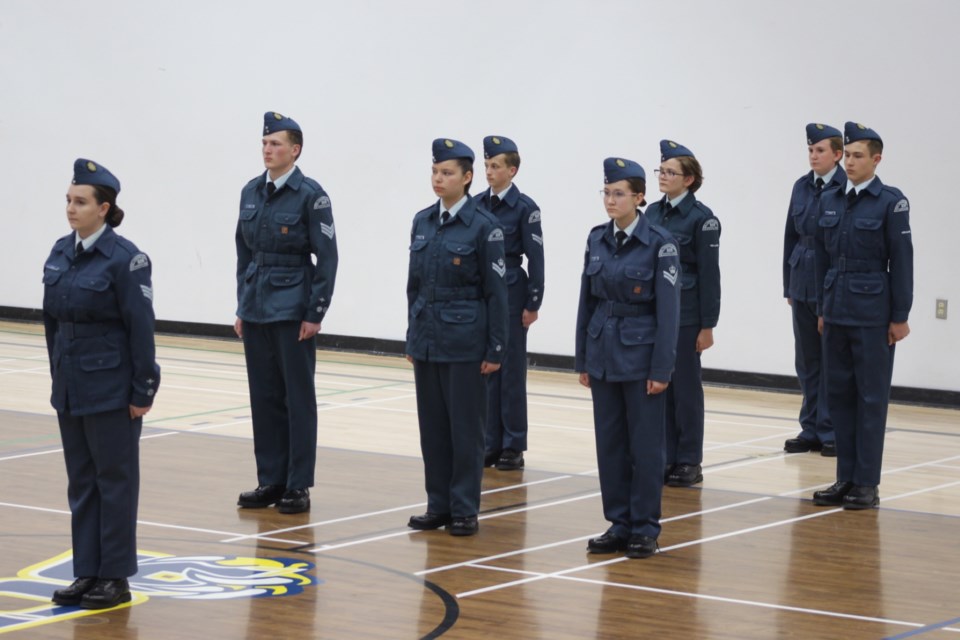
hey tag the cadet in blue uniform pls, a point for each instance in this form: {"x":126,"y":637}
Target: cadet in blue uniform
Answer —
{"x":825,"y":148}
{"x":865,"y":264}
{"x":697,"y":233}
{"x":282,"y":296}
{"x":519,"y":216}
{"x":627,"y":326}
{"x":457,"y":333}
{"x":98,"y":319}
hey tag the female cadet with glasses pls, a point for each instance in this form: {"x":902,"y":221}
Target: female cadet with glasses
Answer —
{"x":457,"y":333}
{"x":626,"y":340}
{"x":98,"y":318}
{"x":697,"y":232}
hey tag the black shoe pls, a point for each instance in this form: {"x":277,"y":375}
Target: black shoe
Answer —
{"x":641,"y":547}
{"x":861,"y":498}
{"x":465,"y":526}
{"x":607,"y":543}
{"x":801,"y":445}
{"x":70,"y":596}
{"x":667,"y":471}
{"x":490,"y":458}
{"x":685,"y":475}
{"x":106,"y":593}
{"x":833,"y":495}
{"x":294,"y":501}
{"x":262,"y":496}
{"x":510,"y":460}
{"x":429,"y":521}
{"x":829,"y":450}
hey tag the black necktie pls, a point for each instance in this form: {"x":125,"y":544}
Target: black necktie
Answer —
{"x":271,"y":188}
{"x":79,"y":248}
{"x":444,"y":217}
{"x":667,"y":208}
{"x":494,"y":202}
{"x":819,"y":184}
{"x":621,"y":238}
{"x":851,"y":196}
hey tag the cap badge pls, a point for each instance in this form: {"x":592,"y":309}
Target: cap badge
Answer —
{"x":449,"y":143}
{"x":91,"y":167}
{"x":496,"y":140}
{"x":621,"y":163}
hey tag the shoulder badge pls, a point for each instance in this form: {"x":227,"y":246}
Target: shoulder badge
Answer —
{"x":327,"y":230}
{"x":323,"y":202}
{"x":499,"y":267}
{"x":139,"y":261}
{"x":902,"y":206}
{"x":711,"y":225}
{"x":670,"y":275}
{"x":668,"y":249}
{"x":534,"y":217}
{"x":496,"y":235}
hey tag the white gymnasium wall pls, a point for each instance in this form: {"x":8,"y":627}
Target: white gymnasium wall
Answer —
{"x":170,"y":96}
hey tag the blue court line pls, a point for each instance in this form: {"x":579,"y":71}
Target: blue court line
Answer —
{"x":916,"y":632}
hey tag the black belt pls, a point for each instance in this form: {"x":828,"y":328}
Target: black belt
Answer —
{"x":630,"y":310}
{"x":514,"y":261}
{"x":71,"y":330}
{"x":450,"y":293}
{"x":808,"y":242}
{"x":844,"y":264}
{"x":265,"y":259}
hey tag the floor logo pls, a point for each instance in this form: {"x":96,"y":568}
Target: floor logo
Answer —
{"x":160,"y":576}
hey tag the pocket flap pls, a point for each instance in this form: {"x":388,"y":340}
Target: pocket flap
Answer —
{"x":94,"y":284}
{"x":870,"y":224}
{"x":459,"y":248}
{"x":248,"y":214}
{"x":688,"y":281}
{"x":286,"y":217}
{"x":634,"y":331}
{"x":458,"y":316}
{"x":417,"y":245}
{"x":828,"y":221}
{"x":51,"y":277}
{"x":682,"y":238}
{"x":593,"y":268}
{"x":635,"y":273}
{"x":100,"y":361}
{"x":869,"y":286}
{"x":286,"y":278}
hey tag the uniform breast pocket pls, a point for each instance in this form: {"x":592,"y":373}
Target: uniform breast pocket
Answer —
{"x":829,"y":225}
{"x":94,"y":293}
{"x":639,"y":283}
{"x":416,"y":255}
{"x":461,"y":261}
{"x":287,"y":230}
{"x":593,"y":271}
{"x":688,"y":252}
{"x":248,"y":225}
{"x":869,"y":232}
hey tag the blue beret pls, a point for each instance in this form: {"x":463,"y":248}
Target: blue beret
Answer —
{"x":273,"y":122}
{"x":670,"y":149}
{"x":617,"y":169}
{"x":447,"y":149}
{"x":853,"y":131}
{"x":495,"y":145}
{"x":817,"y":132}
{"x":89,"y":172}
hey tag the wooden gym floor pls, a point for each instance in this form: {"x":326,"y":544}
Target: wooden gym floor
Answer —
{"x":745,"y":555}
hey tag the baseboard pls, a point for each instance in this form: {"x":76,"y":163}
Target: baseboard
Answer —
{"x":380,"y":346}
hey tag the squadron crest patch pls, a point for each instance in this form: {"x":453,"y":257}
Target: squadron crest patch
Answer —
{"x":667,"y":250}
{"x":534,"y":217}
{"x":902,"y":206}
{"x":711,"y":225}
{"x":323,"y":202}
{"x":139,"y":261}
{"x":495,"y":236}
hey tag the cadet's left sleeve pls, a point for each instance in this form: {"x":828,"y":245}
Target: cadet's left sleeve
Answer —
{"x":135,"y":298}
{"x":323,"y":244}
{"x":531,"y":233}
{"x":900,"y":247}
{"x":708,"y":268}
{"x":667,"y":289}
{"x":492,"y":272}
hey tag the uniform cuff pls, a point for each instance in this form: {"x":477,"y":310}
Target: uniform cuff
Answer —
{"x":141,"y":400}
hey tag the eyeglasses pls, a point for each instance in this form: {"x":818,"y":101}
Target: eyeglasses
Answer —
{"x":616,"y":195}
{"x":668,"y":173}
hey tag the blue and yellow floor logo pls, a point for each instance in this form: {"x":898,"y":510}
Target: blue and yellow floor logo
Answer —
{"x":160,"y":576}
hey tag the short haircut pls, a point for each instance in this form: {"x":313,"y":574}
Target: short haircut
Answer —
{"x":295,"y":137}
{"x":875,"y":147}
{"x":691,"y":167}
{"x":836,"y":143}
{"x":512,"y":159}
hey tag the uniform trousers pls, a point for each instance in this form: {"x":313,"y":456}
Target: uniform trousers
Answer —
{"x":811,"y":373}
{"x":283,"y":402}
{"x":507,"y":387}
{"x":859,"y":370}
{"x":102,"y":454}
{"x":685,"y":403}
{"x":629,"y":428}
{"x":451,"y":408}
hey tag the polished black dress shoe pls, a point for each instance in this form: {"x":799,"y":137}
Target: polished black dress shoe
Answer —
{"x":490,"y":458}
{"x":607,"y":543}
{"x":106,"y":593}
{"x":667,"y":471}
{"x":510,"y":460}
{"x":801,"y":445}
{"x":465,"y":526}
{"x":294,"y":501}
{"x":685,"y":475}
{"x":833,"y":495}
{"x":70,"y":596}
{"x":861,"y":498}
{"x":829,"y":450}
{"x":429,"y":521}
{"x":262,"y":496}
{"x":641,"y":547}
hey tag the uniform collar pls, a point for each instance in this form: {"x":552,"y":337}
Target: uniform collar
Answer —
{"x":90,"y":240}
{"x":682,"y":204}
{"x":639,"y":229}
{"x":827,"y":177}
{"x":462,"y":209}
{"x":291,"y":178}
{"x":510,"y":196}
{"x":871,"y":186}
{"x":104,"y":243}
